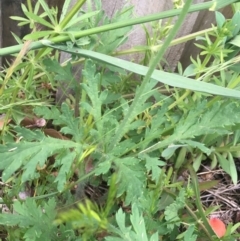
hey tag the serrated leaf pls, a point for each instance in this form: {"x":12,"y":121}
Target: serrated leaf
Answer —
{"x":124,"y":232}
{"x":32,"y":234}
{"x":13,"y":220}
{"x":203,"y":121}
{"x":29,"y":155}
{"x":29,"y":213}
{"x":122,"y":148}
{"x":140,"y":106}
{"x":171,"y":211}
{"x":64,"y":74}
{"x":66,"y":160}
{"x":109,"y":124}
{"x":189,"y":234}
{"x":113,"y":39}
{"x":70,"y":123}
{"x":198,"y":145}
{"x":49,"y":113}
{"x":36,"y":220}
{"x":92,"y":90}
{"x":103,"y":167}
{"x":29,"y":135}
{"x":156,"y":128}
{"x":153,"y":165}
{"x":120,"y":218}
{"x":37,"y":160}
{"x":111,"y":98}
{"x":131,"y":178}
{"x":49,"y":208}
{"x":138,"y":224}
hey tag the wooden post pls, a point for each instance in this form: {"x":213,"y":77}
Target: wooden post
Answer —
{"x":8,"y":26}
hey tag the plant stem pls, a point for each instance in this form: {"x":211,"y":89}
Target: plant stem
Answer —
{"x":203,"y":67}
{"x":71,"y":13}
{"x":208,"y":230}
{"x":130,"y":114}
{"x":173,"y":43}
{"x":108,"y":27}
{"x":29,"y":4}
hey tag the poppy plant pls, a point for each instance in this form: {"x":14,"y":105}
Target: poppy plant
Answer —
{"x":218,"y":226}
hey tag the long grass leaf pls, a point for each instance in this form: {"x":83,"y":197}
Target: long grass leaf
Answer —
{"x":161,"y":76}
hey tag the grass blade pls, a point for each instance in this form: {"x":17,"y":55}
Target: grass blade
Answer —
{"x":160,"y":76}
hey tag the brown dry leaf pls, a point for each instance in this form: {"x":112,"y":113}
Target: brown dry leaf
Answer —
{"x":55,"y":134}
{"x":89,"y":165}
{"x":27,"y":121}
{"x":33,"y":122}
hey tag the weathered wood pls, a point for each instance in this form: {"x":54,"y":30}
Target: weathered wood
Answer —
{"x":194,"y":22}
{"x":10,"y":8}
{"x":8,"y":26}
{"x":137,"y":36}
{"x":204,"y":20}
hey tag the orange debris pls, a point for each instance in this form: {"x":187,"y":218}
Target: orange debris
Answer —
{"x":218,"y":226}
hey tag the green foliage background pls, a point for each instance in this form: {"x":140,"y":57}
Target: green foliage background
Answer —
{"x":135,"y":137}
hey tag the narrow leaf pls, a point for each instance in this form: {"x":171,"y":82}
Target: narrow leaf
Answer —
{"x":161,"y":76}
{"x":233,"y":169}
{"x":38,"y":19}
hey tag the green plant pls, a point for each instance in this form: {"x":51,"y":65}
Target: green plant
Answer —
{"x":133,"y":138}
